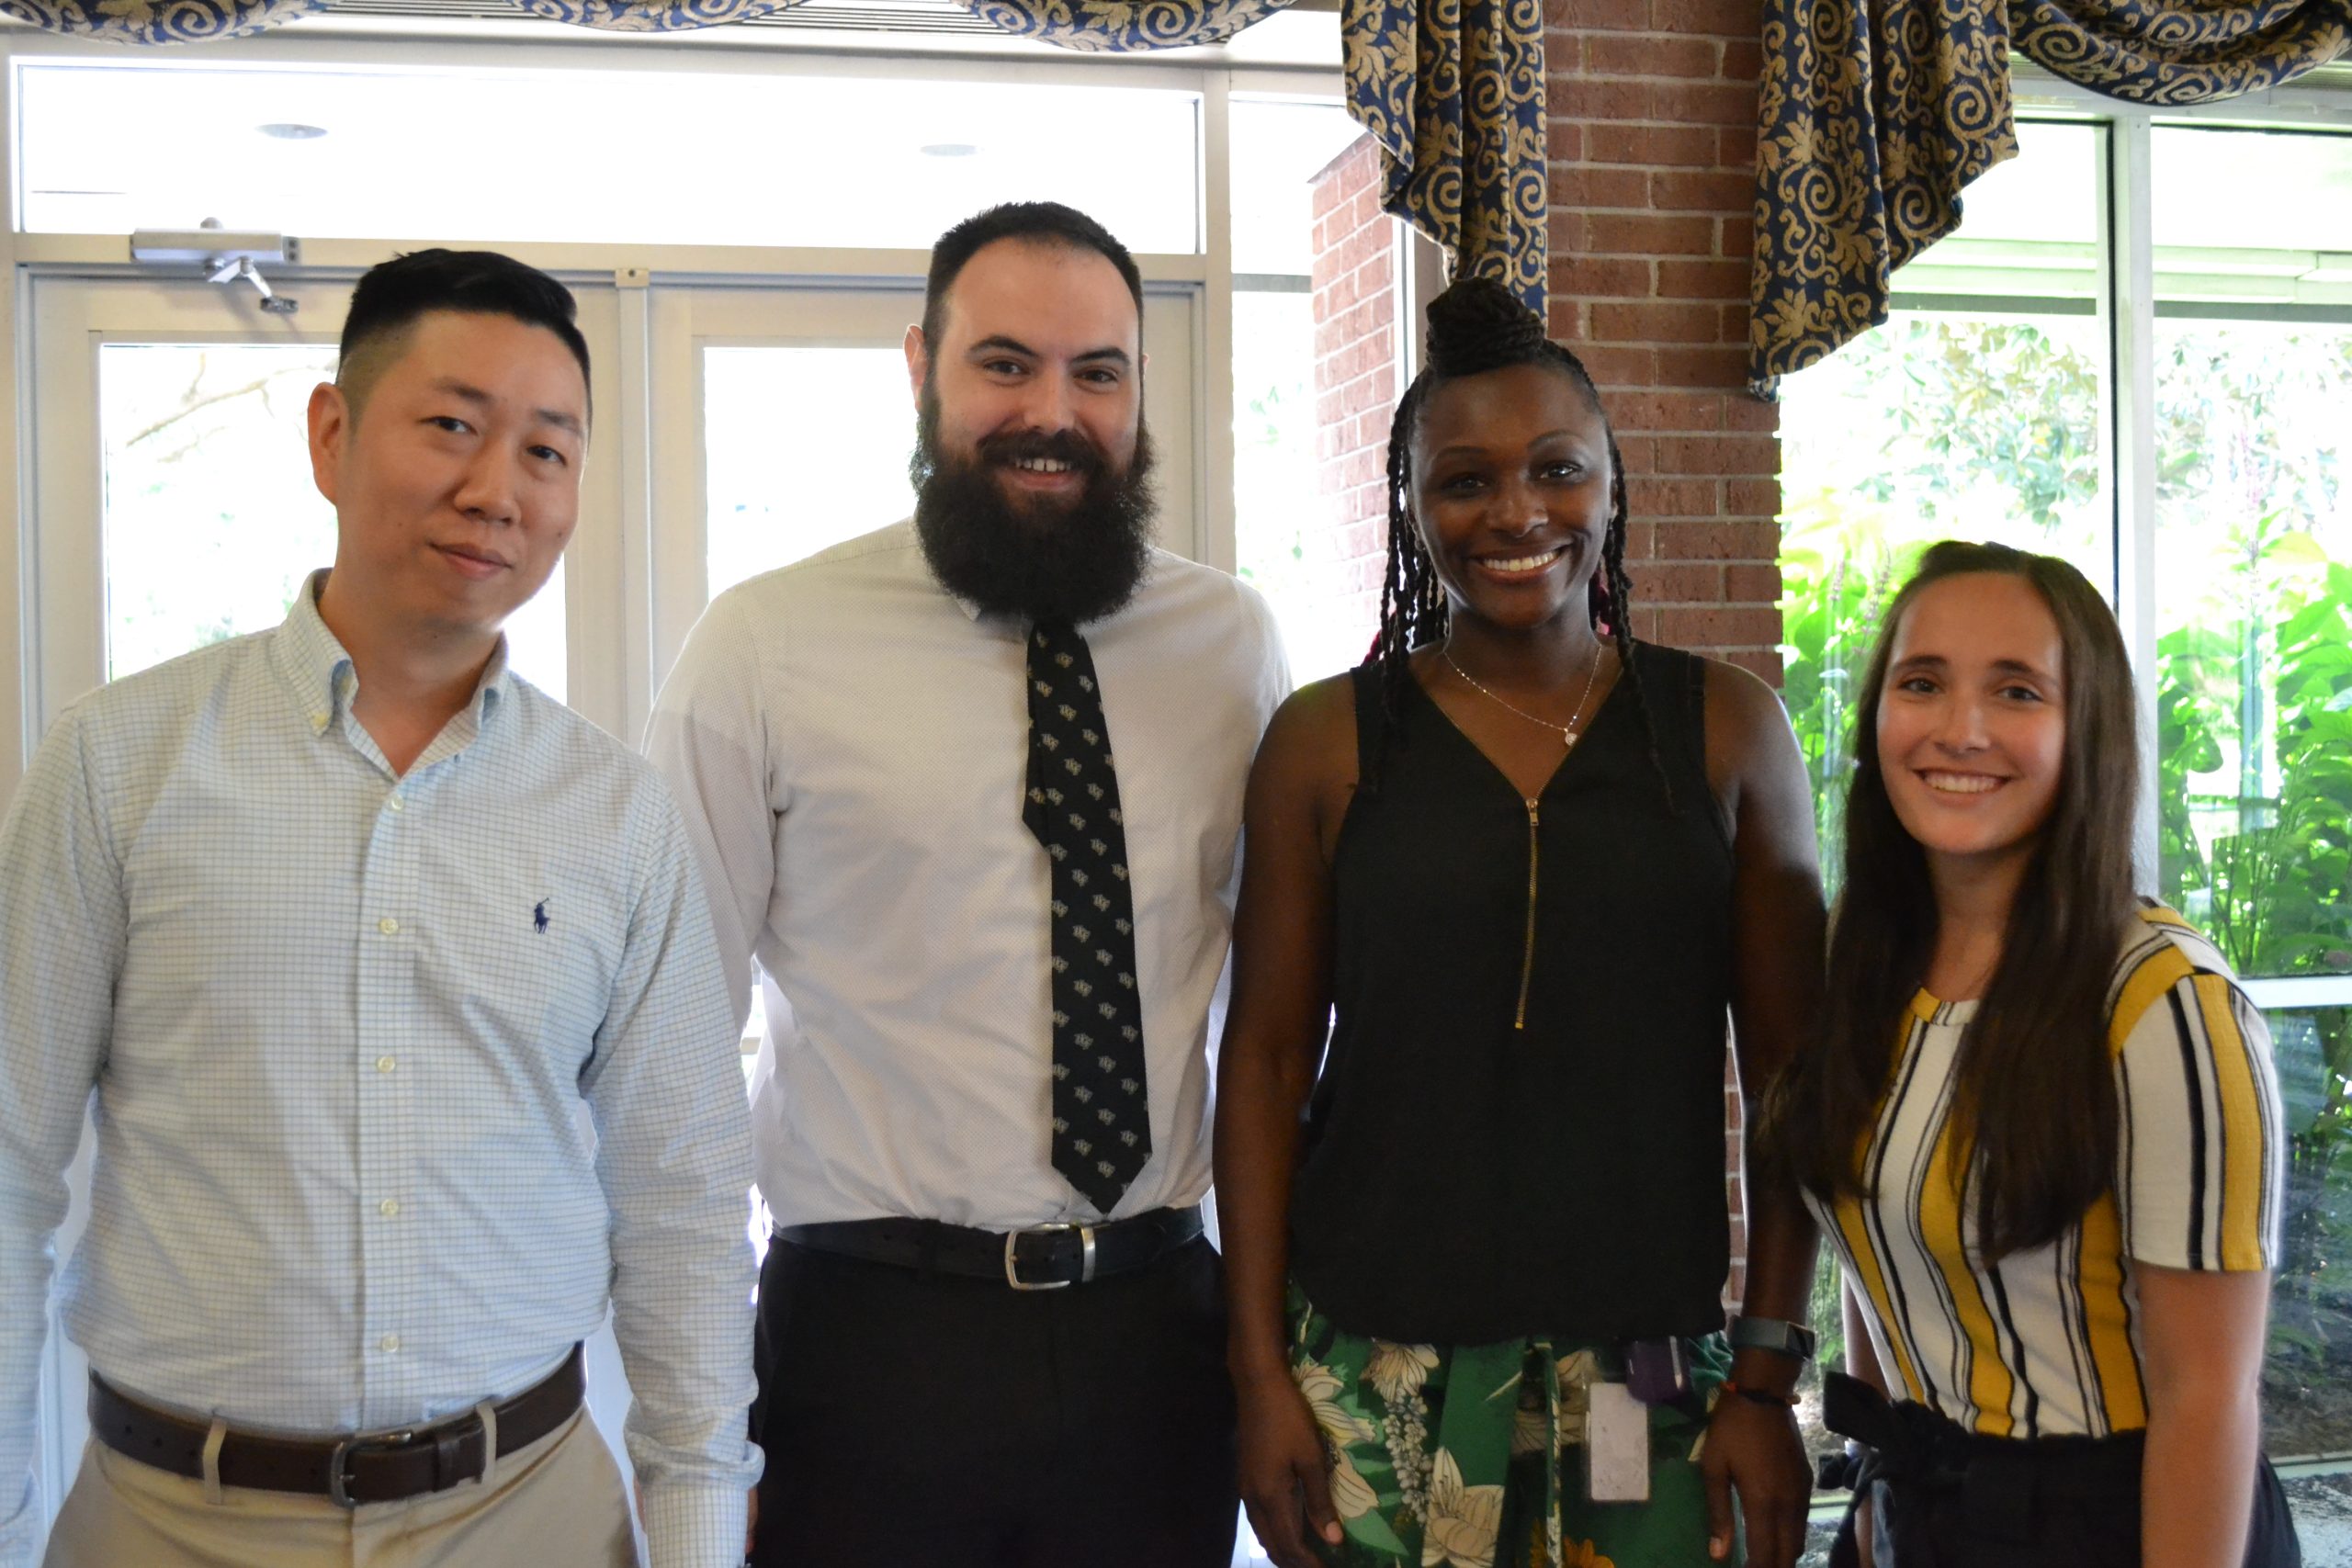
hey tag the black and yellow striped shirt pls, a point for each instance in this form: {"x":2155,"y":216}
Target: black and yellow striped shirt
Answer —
{"x":2046,"y":1343}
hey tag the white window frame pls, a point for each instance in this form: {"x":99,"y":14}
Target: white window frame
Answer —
{"x":2127,"y":302}
{"x":618,"y":691}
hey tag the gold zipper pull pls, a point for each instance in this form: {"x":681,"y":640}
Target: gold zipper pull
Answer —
{"x":1527,"y":963}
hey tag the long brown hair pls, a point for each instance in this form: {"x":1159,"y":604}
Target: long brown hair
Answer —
{"x":2035,"y":1098}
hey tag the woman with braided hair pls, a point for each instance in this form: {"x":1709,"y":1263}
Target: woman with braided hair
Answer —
{"x":1522,"y":864}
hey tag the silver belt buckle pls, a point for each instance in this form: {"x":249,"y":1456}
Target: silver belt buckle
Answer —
{"x":1085,"y":1256}
{"x":339,"y":1479}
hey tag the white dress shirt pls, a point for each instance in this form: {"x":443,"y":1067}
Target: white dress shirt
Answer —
{"x":340,"y":1025}
{"x":849,"y":746}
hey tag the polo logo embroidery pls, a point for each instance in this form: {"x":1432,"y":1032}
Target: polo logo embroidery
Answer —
{"x":539,"y":917}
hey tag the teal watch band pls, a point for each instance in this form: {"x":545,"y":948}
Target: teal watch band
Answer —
{"x":1778,"y":1335}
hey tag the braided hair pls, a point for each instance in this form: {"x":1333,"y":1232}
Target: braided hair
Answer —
{"x":1476,"y":326}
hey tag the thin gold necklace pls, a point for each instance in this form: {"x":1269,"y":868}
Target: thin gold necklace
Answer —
{"x":1568,"y":732}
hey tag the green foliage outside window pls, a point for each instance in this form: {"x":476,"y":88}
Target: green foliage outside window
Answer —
{"x":1990,"y":428}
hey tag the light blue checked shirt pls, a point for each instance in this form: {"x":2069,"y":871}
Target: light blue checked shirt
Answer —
{"x":340,"y":1024}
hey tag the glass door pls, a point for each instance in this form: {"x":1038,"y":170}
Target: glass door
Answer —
{"x":782,"y":423}
{"x":173,"y":491}
{"x":172,"y":507}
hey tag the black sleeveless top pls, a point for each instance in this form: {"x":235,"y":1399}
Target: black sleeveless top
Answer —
{"x":1519,"y":1128}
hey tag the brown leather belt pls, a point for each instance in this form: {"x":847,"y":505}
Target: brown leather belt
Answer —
{"x":1042,"y":1257}
{"x":371,"y":1467}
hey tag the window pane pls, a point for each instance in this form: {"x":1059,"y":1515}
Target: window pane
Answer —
{"x":802,"y":449}
{"x":2254,"y":550}
{"x":2307,"y":1376}
{"x":1975,"y":413}
{"x":909,"y":157}
{"x":1279,"y":146}
{"x":211,"y":521}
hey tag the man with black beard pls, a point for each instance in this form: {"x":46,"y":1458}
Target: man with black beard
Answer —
{"x":991,"y":1329}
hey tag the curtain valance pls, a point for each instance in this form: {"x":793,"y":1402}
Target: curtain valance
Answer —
{"x":1873,"y":115}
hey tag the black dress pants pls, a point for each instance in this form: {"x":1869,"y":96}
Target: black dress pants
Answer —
{"x":916,"y":1420}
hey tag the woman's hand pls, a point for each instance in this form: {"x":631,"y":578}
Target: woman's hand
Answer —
{"x":1283,"y":1480}
{"x":1754,"y":1449}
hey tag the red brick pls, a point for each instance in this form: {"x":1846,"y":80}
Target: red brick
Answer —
{"x":1720,"y":626}
{"x":1737,"y":236}
{"x":1752,"y":584}
{"x":1638,"y":453}
{"x":1704,"y":103}
{"x":1765,"y":666}
{"x":1754,"y":497}
{"x":1605,"y":56}
{"x":1703,"y":190}
{"x":1563,"y":142}
{"x":1691,"y":146}
{"x":1614,"y":365}
{"x":1656,"y":323}
{"x":1613,"y":15}
{"x":1589,"y":98}
{"x":1724,"y":280}
{"x":1681,"y":582}
{"x":1641,"y":540}
{"x":1743,"y":58}
{"x":1720,"y":18}
{"x":1735,"y":146}
{"x":1744,"y":411}
{"x":1732,"y":326}
{"x":1673,"y":412}
{"x":1724,"y":455}
{"x":1720,"y":366}
{"x":1599,"y":277}
{"x":1718,"y":541}
{"x":1590,"y":186}
{"x":1564,"y":319}
{"x":1672,"y":498}
{"x":1641,"y":234}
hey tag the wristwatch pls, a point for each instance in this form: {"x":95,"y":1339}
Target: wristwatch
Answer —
{"x":1791,"y":1340}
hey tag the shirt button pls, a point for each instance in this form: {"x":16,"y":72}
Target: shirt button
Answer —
{"x":397,"y":804}
{"x":389,"y":1343}
{"x":389,"y":1207}
{"x":389,"y":926}
{"x":386,"y":1063}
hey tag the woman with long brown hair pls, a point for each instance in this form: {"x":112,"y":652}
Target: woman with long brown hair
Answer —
{"x":2040,"y":1125}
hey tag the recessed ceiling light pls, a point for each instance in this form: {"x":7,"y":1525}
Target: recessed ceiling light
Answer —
{"x":950,"y":150}
{"x":288,"y":131}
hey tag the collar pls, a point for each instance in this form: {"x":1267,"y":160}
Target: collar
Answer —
{"x":319,"y":669}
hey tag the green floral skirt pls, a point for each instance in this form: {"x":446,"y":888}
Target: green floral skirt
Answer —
{"x":1468,"y":1456}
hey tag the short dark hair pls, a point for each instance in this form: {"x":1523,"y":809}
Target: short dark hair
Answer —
{"x":1040,"y":222}
{"x":391,"y":298}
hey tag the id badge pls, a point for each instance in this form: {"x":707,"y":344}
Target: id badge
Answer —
{"x":1616,"y":1445}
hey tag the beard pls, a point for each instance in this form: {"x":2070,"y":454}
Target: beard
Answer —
{"x":1037,"y":558}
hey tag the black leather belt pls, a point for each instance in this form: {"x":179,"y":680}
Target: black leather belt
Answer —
{"x":1042,"y":1257}
{"x":371,"y":1467}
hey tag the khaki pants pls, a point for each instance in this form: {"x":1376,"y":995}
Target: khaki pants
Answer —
{"x":556,"y":1501}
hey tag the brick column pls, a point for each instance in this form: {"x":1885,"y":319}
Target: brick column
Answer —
{"x":1356,"y":388}
{"x":1652,"y":144}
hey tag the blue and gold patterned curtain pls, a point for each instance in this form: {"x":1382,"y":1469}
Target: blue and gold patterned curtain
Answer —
{"x":200,"y":21}
{"x":1874,"y":113}
{"x":1453,"y":91}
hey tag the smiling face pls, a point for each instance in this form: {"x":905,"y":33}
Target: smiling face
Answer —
{"x":1038,"y":371}
{"x":1510,"y":491}
{"x":457,"y":484}
{"x":1972,"y":718}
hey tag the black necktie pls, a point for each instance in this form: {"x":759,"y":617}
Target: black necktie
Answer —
{"x":1102,"y":1114}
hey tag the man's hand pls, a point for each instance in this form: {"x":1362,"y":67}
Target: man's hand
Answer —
{"x":751,"y":1521}
{"x":1283,"y":1480}
{"x":1754,"y":1449}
